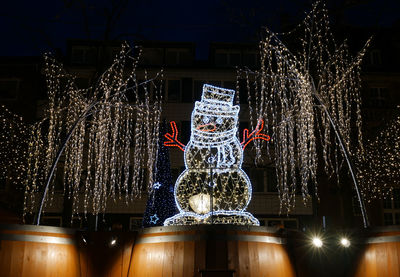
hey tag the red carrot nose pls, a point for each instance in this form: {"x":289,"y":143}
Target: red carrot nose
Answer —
{"x":209,"y":127}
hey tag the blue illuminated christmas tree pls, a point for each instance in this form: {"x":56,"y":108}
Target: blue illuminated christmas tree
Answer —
{"x":161,"y":203}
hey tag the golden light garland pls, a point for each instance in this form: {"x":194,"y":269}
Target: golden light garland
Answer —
{"x":111,"y":147}
{"x":379,"y":167}
{"x":287,"y":86}
{"x":14,"y":134}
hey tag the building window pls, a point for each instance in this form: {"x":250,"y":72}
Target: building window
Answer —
{"x":391,"y":208}
{"x":187,"y":90}
{"x":227,"y":58}
{"x":375,"y":57}
{"x":135,"y":223}
{"x":9,"y":89}
{"x":174,"y":90}
{"x":378,"y":97}
{"x":371,"y":115}
{"x":250,"y":59}
{"x":178,"y":56}
{"x":152,"y":56}
{"x":83,"y":55}
{"x":262,"y":179}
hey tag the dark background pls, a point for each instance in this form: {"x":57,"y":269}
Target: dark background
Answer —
{"x":31,"y":28}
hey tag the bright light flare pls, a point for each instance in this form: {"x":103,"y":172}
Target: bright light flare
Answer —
{"x":317,"y":242}
{"x":344,"y":242}
{"x":113,"y":242}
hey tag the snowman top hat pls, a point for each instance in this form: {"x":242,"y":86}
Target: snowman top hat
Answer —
{"x":216,"y":95}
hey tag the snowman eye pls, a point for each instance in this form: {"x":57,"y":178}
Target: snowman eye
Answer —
{"x":219,"y":120}
{"x":206,"y":119}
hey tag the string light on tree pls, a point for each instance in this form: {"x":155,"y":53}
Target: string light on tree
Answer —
{"x":103,"y":125}
{"x":379,"y":167}
{"x":14,"y":137}
{"x":302,"y":93}
{"x":213,"y":188}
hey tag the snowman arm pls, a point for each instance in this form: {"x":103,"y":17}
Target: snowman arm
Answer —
{"x":254,"y":135}
{"x":172,"y":139}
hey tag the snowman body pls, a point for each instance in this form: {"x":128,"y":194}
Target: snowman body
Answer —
{"x":213,"y":188}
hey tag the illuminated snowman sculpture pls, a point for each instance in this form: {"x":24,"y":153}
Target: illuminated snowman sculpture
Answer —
{"x":213,"y":188}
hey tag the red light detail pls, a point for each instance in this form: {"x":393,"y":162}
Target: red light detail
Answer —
{"x":254,"y":135}
{"x":172,"y":139}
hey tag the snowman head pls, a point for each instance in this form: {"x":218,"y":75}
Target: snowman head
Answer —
{"x":212,"y":122}
{"x":214,"y":118}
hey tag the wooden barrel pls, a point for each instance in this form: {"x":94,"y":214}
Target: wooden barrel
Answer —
{"x":103,"y":259}
{"x":380,"y":255}
{"x":38,"y":251}
{"x":210,"y":250}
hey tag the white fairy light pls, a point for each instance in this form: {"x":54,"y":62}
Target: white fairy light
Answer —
{"x":98,"y":155}
{"x":288,"y":87}
{"x":379,"y":167}
{"x":14,"y":145}
{"x":213,"y":188}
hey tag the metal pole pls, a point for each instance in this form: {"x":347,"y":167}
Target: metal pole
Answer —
{"x":96,"y":222}
{"x":212,"y":192}
{"x":346,"y":154}
{"x":212,"y":196}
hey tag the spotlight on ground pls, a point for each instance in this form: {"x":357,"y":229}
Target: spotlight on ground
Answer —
{"x":344,"y":242}
{"x":317,"y":242}
{"x":113,"y":241}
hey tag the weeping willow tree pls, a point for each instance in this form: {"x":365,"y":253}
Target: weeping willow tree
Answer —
{"x":379,"y":167}
{"x":106,"y":136}
{"x":307,"y":93}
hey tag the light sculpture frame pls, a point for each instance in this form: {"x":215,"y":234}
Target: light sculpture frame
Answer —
{"x":213,"y":188}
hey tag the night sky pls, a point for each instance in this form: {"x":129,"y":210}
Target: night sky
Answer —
{"x":30,"y":28}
